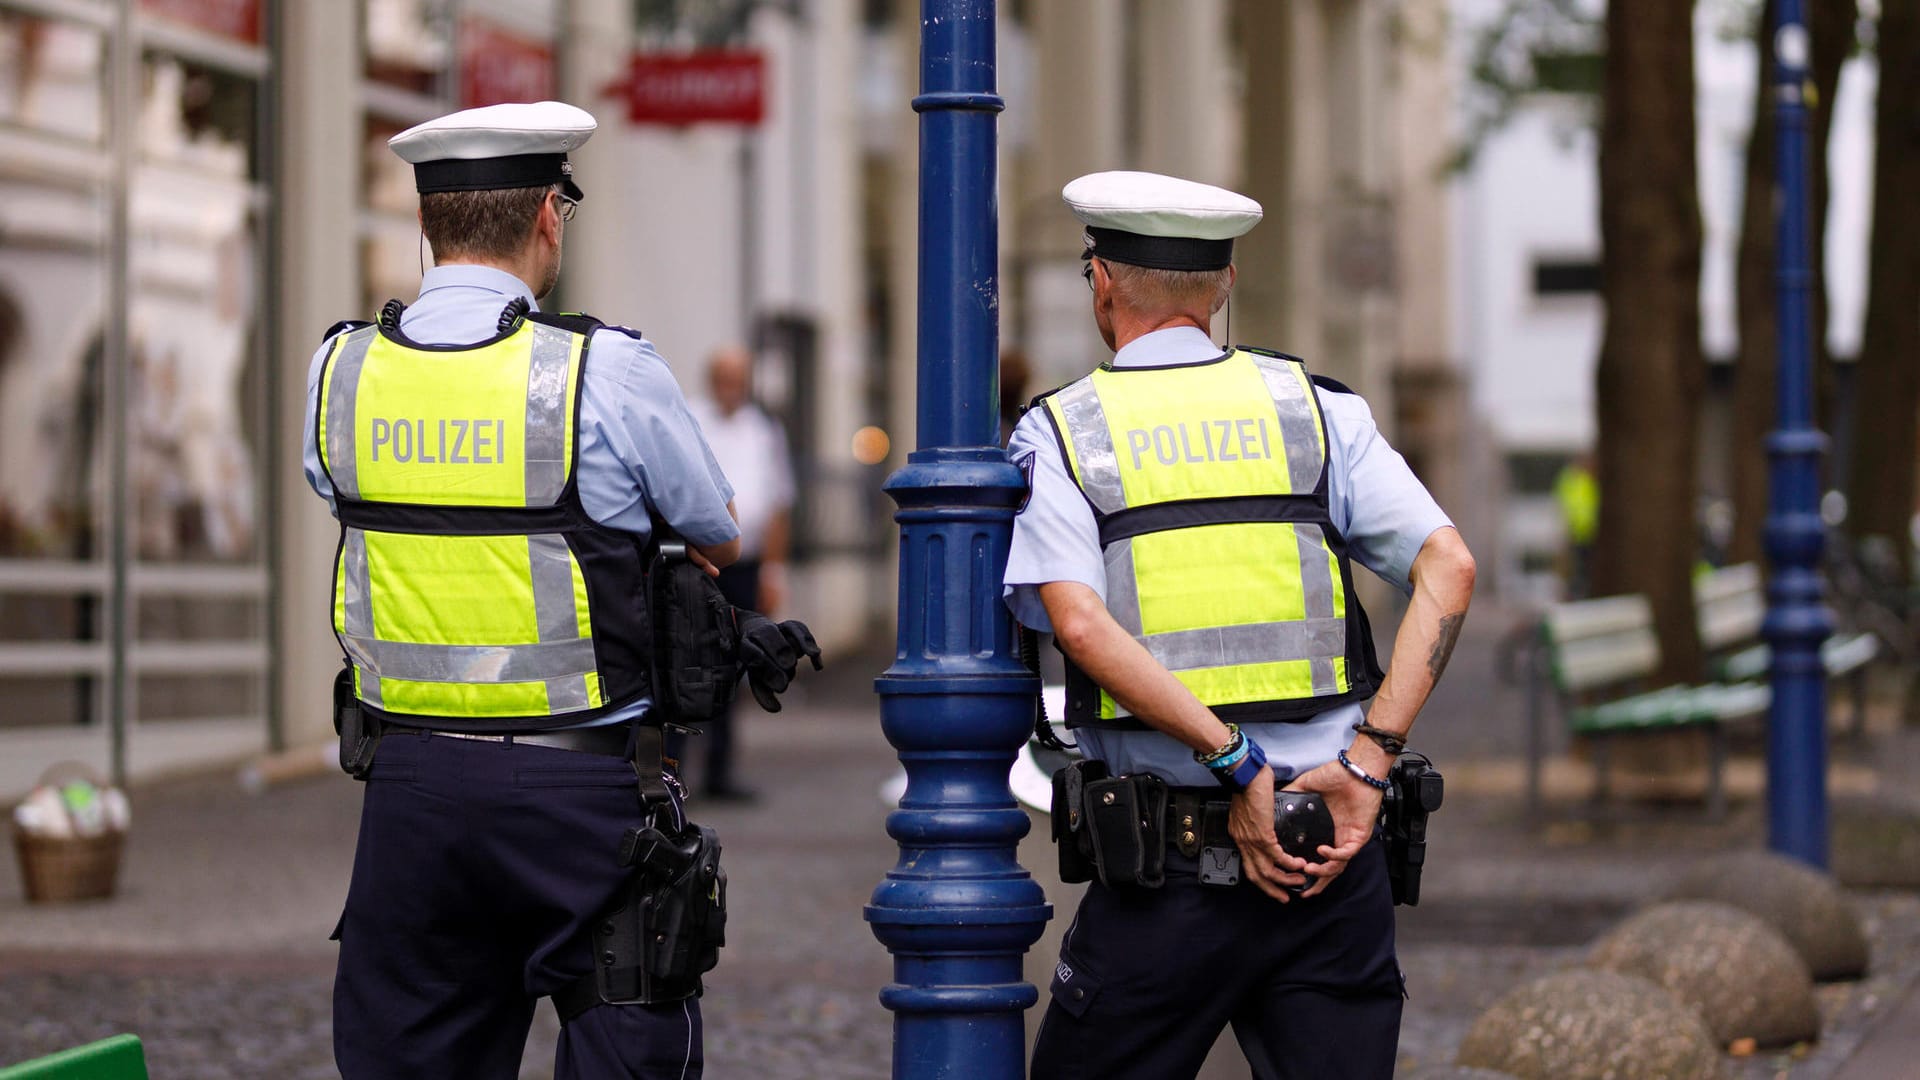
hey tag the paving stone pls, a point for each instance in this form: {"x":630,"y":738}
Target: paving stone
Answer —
{"x":1806,"y":906}
{"x":1591,"y":1025}
{"x":1738,"y":973}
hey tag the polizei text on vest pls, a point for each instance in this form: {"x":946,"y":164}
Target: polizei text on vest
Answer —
{"x":448,"y":442}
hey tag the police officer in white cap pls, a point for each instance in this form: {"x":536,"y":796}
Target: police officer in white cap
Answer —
{"x":498,"y":472}
{"x":1194,"y":519}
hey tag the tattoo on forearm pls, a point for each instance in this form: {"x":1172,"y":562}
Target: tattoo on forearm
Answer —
{"x":1443,"y":646}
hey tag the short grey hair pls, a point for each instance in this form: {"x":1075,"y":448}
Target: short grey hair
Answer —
{"x":1144,"y":288}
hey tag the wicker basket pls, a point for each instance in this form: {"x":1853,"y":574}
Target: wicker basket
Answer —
{"x":54,"y":868}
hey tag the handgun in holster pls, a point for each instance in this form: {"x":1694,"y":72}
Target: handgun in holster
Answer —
{"x":668,"y":928}
{"x":1416,"y":790}
{"x":359,"y":733}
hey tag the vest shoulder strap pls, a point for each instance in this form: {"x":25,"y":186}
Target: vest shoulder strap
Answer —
{"x":344,"y":326}
{"x":579,"y":322}
{"x":1275,"y":353}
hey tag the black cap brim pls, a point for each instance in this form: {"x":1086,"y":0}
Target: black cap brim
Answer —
{"x":1158,"y":252}
{"x":496,"y":174}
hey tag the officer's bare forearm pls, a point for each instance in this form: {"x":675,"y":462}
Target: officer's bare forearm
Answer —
{"x":1124,"y":669}
{"x":1442,"y":588}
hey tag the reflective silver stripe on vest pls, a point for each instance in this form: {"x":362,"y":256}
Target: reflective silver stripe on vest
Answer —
{"x":343,"y":386}
{"x":473,"y":663}
{"x":1316,"y":587}
{"x":357,"y":600}
{"x":1250,"y":643}
{"x":547,"y":415}
{"x":1123,"y":588}
{"x":1094,"y":463}
{"x":552,"y":571}
{"x":1298,"y":428}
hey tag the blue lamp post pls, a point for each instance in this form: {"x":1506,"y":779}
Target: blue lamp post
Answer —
{"x":1797,"y":619}
{"x":957,"y":911}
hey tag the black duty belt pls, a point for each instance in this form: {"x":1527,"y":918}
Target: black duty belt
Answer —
{"x":1197,"y":818}
{"x":609,"y":739}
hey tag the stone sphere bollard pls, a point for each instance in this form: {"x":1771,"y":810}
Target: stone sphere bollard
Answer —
{"x":1806,"y":906}
{"x":1737,"y":972}
{"x":1591,"y":1025}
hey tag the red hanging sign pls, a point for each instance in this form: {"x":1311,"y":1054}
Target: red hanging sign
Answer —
{"x":498,"y":65}
{"x":237,"y":19}
{"x":722,"y":87}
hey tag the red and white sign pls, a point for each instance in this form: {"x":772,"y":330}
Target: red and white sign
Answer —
{"x":718,"y":86}
{"x":498,"y":65}
{"x":237,"y":19}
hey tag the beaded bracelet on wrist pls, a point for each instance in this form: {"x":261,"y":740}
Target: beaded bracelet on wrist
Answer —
{"x":1362,"y":774}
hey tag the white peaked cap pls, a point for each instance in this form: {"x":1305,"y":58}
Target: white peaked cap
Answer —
{"x":495,"y":147}
{"x":1160,"y":221}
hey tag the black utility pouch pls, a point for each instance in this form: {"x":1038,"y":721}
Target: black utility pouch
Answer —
{"x":696,"y":644}
{"x":359,"y":733}
{"x":1126,"y":816}
{"x":1070,"y":831}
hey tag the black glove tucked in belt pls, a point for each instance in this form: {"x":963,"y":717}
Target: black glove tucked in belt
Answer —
{"x":771,"y":653}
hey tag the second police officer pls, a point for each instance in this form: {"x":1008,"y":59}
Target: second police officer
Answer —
{"x":498,"y":473}
{"x":1189,"y":541}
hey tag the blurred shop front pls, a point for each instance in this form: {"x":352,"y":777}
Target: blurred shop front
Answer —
{"x":146,"y":435}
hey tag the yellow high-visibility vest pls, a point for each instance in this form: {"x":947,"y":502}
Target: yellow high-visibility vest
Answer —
{"x":472,"y":591}
{"x":1209,"y":485}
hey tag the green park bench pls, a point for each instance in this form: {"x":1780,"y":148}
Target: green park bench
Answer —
{"x":1731,"y":603}
{"x":1598,"y":657}
{"x":117,"y":1058}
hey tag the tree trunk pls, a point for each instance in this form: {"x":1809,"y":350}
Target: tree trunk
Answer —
{"x":1881,"y":495}
{"x":1753,"y":376}
{"x":1651,"y":369}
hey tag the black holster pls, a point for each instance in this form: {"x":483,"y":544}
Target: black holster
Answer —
{"x":1417,"y":790}
{"x":667,"y":929}
{"x":359,"y":733}
{"x":1110,"y":828}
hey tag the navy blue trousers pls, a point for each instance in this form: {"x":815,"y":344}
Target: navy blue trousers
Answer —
{"x":1148,"y":978}
{"x":480,"y":867}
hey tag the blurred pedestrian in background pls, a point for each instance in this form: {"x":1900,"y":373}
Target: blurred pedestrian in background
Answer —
{"x":751,"y":448}
{"x":1577,"y":492}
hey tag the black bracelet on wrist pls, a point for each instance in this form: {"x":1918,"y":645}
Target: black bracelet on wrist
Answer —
{"x":1394,"y":744}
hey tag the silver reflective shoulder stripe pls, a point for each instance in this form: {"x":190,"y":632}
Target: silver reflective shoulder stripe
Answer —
{"x":1094,"y":463}
{"x":552,"y":568}
{"x":548,"y":417}
{"x":473,"y":663}
{"x":358,"y":604}
{"x":1123,"y":589}
{"x":1249,"y":643}
{"x":1316,"y":586}
{"x":1306,"y":457}
{"x":343,"y":386}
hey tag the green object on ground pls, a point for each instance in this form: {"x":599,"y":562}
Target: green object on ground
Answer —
{"x":117,"y":1058}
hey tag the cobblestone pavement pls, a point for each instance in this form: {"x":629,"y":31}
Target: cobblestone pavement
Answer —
{"x":215,"y":951}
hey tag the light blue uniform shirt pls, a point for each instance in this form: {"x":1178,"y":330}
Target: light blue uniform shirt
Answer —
{"x":1377,"y":503}
{"x":639,"y":447}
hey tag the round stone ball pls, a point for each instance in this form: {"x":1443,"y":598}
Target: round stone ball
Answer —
{"x":1591,"y":1025}
{"x":1807,"y":907}
{"x":1737,"y":972}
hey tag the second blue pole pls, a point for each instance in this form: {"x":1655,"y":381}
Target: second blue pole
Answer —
{"x":1797,"y":621}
